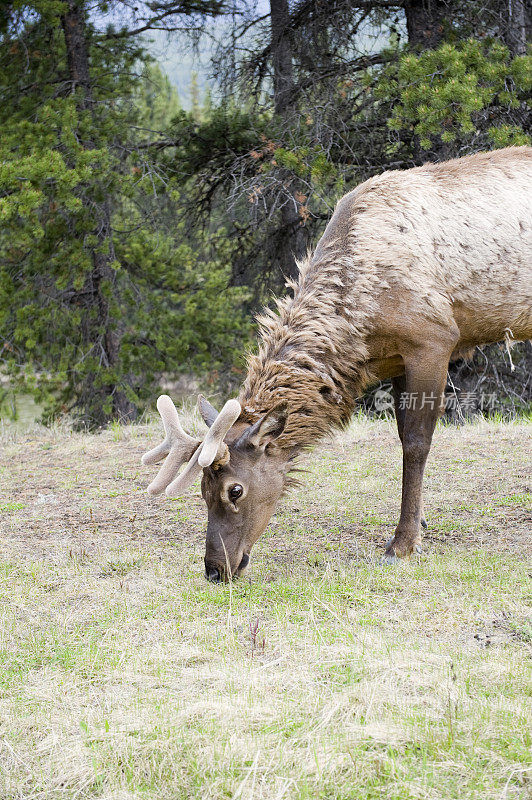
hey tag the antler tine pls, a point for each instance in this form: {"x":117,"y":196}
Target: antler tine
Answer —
{"x":212,"y":444}
{"x":185,"y":478}
{"x":170,"y":419}
{"x":178,"y":446}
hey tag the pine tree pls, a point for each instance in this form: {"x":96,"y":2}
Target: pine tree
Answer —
{"x":99,"y":295}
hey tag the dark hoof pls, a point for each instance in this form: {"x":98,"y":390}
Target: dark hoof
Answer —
{"x":398,"y":548}
{"x":418,"y":550}
{"x":424,"y":523}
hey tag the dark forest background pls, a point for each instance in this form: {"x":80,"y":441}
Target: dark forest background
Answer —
{"x":137,"y":239}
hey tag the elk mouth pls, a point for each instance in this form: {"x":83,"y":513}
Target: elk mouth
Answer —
{"x":212,"y":574}
{"x":216,"y":575}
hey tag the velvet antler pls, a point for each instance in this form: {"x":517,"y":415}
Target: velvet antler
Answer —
{"x":179,"y":447}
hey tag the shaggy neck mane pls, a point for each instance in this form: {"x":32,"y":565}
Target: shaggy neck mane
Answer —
{"x":311,"y":354}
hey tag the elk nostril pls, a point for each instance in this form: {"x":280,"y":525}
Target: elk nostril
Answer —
{"x":245,"y":561}
{"x":212,"y":573}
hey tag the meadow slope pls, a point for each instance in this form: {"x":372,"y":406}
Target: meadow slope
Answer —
{"x":322,"y":674}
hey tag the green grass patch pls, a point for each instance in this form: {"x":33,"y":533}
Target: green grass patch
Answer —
{"x":322,"y":674}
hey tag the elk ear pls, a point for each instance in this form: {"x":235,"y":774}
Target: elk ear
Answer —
{"x":266,"y":429}
{"x":207,"y":411}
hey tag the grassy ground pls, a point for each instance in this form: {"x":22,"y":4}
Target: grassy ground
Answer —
{"x":324,"y":674}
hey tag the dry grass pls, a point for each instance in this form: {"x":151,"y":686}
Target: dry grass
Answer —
{"x":324,"y":675}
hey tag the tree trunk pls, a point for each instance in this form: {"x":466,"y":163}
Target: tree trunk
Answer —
{"x":283,"y":80}
{"x":425,"y":22}
{"x":294,"y":237}
{"x":528,"y":20}
{"x":73,"y":22}
{"x":515,"y":28}
{"x":101,"y":333}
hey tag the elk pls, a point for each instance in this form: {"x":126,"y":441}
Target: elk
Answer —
{"x":414,"y":270}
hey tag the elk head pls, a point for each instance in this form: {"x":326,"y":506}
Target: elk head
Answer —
{"x":244,"y":475}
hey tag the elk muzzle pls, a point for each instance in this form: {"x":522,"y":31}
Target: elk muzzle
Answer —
{"x":220,"y":566}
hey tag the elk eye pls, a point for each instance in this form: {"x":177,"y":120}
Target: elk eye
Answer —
{"x":235,"y":491}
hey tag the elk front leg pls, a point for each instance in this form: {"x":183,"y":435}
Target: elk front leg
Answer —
{"x":398,"y":391}
{"x":421,"y":405}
